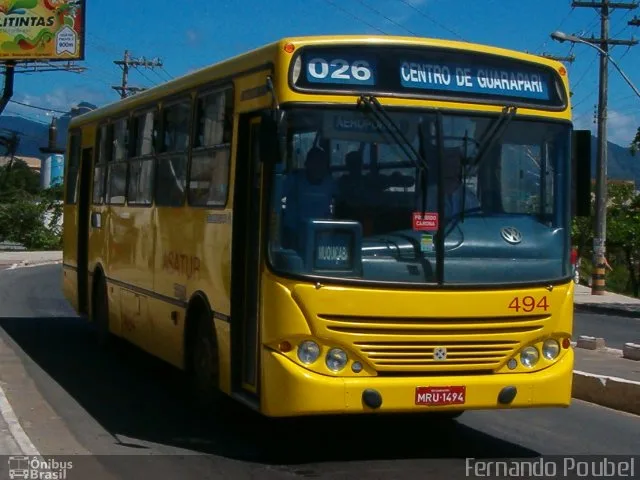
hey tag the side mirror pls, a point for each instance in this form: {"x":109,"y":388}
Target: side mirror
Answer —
{"x":581,"y":173}
{"x":270,"y":132}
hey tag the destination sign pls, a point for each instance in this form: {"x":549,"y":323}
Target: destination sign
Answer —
{"x":427,"y":72}
{"x":515,"y":82}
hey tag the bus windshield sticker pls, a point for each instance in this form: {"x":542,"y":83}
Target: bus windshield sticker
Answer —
{"x":426,"y":243}
{"x":425,"y":221}
{"x":509,"y":82}
{"x":353,"y":126}
{"x":342,"y":69}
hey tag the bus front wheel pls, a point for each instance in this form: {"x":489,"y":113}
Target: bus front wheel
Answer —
{"x":204,"y":368}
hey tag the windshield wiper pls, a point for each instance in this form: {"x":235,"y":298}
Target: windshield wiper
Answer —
{"x":382,"y":117}
{"x":486,"y":143}
{"x":494,"y":132}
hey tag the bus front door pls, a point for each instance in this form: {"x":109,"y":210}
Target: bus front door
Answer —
{"x":248,"y":223}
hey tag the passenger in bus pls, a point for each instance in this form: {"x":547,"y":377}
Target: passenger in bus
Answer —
{"x":356,"y":187}
{"x":352,"y":186}
{"x":308,"y":194}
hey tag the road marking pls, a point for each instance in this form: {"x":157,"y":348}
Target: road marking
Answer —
{"x":19,"y":266}
{"x":18,"y":434}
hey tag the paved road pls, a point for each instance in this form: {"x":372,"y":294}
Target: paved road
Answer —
{"x":615,"y":330}
{"x":123,"y":402}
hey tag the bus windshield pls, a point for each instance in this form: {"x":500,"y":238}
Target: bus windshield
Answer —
{"x":349,"y":202}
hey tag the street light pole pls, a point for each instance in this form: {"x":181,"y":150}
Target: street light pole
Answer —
{"x":562,"y":37}
{"x":600,"y":230}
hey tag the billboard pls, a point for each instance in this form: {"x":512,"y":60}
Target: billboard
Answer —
{"x":32,"y":30}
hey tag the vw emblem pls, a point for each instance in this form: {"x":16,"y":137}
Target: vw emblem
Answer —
{"x":439,"y":353}
{"x":511,"y":235}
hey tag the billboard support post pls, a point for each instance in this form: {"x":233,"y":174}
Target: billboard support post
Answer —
{"x":7,"y":92}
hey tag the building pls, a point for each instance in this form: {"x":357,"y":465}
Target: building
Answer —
{"x":34,"y":163}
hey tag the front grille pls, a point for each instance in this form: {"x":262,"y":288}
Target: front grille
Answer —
{"x":408,"y":344}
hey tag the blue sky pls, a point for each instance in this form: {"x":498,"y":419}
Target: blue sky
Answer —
{"x":189,"y":34}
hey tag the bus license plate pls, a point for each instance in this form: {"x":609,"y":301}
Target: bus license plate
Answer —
{"x":441,"y":395}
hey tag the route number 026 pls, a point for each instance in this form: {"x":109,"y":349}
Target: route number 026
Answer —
{"x":339,"y":69}
{"x":529,"y":304}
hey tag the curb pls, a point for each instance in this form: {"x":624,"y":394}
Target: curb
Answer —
{"x":607,"y":310}
{"x":612,"y":392}
{"x":15,"y":429}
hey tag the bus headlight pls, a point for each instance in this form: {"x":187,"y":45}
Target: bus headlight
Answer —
{"x":550,"y":349}
{"x":529,"y":357}
{"x":336,"y":359}
{"x":308,"y":352}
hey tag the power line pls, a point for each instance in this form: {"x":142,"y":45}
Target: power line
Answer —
{"x":337,"y":7}
{"x":386,"y":18}
{"x":571,"y":58}
{"x":128,"y":62}
{"x":431,"y":19}
{"x":38,"y":108}
{"x":145,"y":76}
{"x":571,"y":10}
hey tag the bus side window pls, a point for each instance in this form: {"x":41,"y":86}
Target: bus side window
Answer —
{"x":172,"y":161}
{"x":210,"y":157}
{"x":140,"y":190}
{"x":117,"y":168}
{"x":100,"y":168}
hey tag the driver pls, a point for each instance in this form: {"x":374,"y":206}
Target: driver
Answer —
{"x":309,"y":194}
{"x":453,"y":187}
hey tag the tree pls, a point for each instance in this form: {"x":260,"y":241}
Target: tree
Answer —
{"x":635,"y":144}
{"x":623,"y":229}
{"x":16,"y":180}
{"x":28,"y":214}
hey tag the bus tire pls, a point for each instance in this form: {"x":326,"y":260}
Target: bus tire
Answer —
{"x":100,"y":312}
{"x":204,"y":369}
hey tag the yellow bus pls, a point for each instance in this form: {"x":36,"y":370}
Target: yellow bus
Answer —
{"x":345,"y":224}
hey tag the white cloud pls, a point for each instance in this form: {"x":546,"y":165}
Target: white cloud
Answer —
{"x":192,"y":37}
{"x":60,"y":99}
{"x":621,"y":127}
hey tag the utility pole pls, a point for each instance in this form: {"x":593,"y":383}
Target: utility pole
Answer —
{"x":128,"y":62}
{"x":571,"y":58}
{"x":600,"y":230}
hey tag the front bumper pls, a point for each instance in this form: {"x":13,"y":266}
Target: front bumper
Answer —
{"x":290,"y":390}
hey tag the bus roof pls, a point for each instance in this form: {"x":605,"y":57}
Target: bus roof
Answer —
{"x":268,"y":53}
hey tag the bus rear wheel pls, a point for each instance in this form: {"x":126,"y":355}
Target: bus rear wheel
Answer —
{"x":203,"y":362}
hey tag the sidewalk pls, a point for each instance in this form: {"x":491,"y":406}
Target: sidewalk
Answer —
{"x":12,"y":258}
{"x":611,"y":303}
